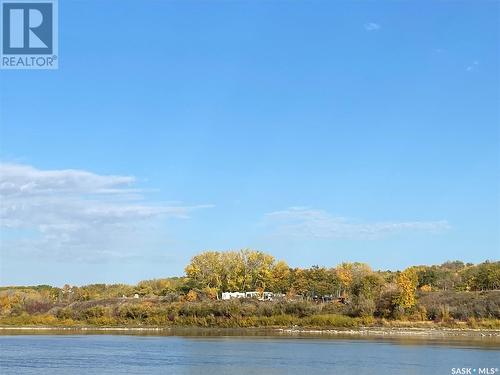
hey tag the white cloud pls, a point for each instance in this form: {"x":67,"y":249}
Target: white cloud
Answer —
{"x":314,"y":223}
{"x":371,"y":26}
{"x":473,"y":66}
{"x":75,"y":214}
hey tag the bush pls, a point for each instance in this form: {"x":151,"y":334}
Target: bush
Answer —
{"x":462,"y":305}
{"x":94,"y":312}
{"x":384,"y":306}
{"x":36,"y":306}
{"x":362,"y":306}
{"x":134,"y":312}
{"x":300,"y":309}
{"x":331,"y":320}
{"x":64,"y":313}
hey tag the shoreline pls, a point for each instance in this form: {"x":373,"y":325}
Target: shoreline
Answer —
{"x":278,"y":331}
{"x":401,"y":332}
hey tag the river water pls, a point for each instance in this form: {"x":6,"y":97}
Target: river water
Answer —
{"x":236,"y":354}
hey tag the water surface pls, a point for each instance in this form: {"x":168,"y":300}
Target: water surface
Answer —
{"x":233,"y":354}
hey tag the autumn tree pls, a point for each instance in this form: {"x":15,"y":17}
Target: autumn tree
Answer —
{"x":244,"y":270}
{"x":280,"y":277}
{"x":365,"y":290}
{"x":407,"y":286}
{"x":344,"y":274}
{"x":257,"y":268}
{"x":298,"y":282}
{"x":206,"y":270}
{"x":321,"y":281}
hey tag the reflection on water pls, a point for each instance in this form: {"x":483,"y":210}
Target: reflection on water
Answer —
{"x":193,"y":351}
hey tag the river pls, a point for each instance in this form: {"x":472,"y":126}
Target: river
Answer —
{"x":222,"y":353}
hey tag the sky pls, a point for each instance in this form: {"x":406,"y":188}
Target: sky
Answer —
{"x":317,"y":131}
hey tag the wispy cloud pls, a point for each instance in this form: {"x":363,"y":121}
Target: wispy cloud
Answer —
{"x":473,"y":66}
{"x":75,"y":214}
{"x":315,"y":223}
{"x":372,"y":26}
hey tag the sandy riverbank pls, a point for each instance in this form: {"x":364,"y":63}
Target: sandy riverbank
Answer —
{"x":358,"y":332}
{"x":413,"y":332}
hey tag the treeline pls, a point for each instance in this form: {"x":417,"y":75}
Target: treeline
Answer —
{"x":445,"y":293}
{"x":248,"y":270}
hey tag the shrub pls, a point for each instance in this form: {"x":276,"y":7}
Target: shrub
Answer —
{"x":36,"y":306}
{"x":94,"y":312}
{"x":331,"y":320}
{"x":64,"y":313}
{"x":462,"y":305}
{"x":134,"y":312}
{"x":362,"y":306}
{"x":191,"y":296}
{"x":300,"y":309}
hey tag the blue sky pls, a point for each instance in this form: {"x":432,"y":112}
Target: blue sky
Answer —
{"x":317,"y":131}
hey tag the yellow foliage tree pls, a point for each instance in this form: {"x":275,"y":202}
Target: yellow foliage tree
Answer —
{"x":407,"y":286}
{"x":280,"y":277}
{"x":299,"y":282}
{"x":244,"y":270}
{"x":206,"y":269}
{"x":344,"y":274}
